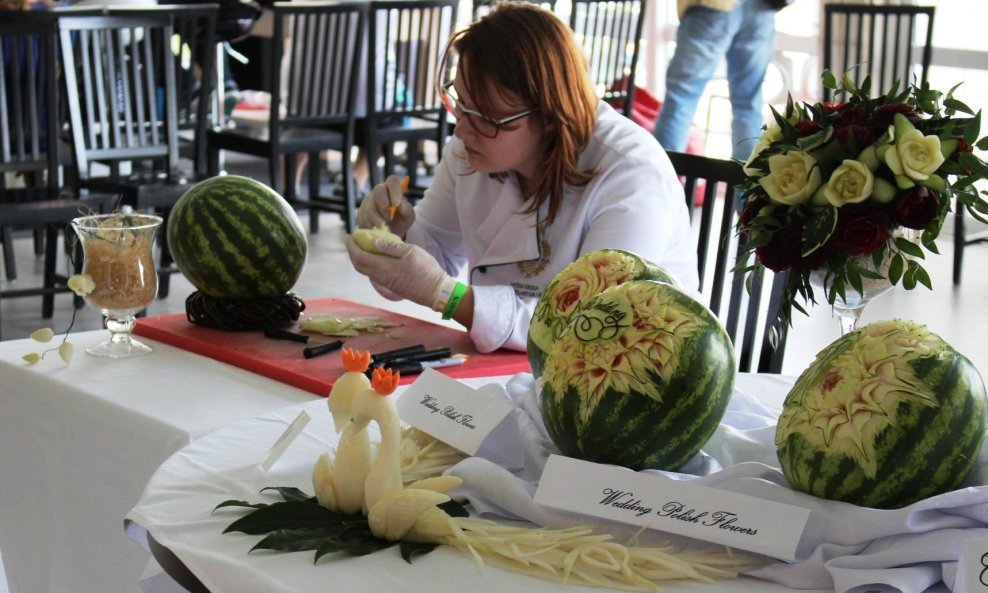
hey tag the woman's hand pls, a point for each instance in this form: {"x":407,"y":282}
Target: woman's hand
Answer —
{"x":375,"y":209}
{"x":402,"y":269}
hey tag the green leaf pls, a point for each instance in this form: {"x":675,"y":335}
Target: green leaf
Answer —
{"x":908,"y":247}
{"x":298,"y":540}
{"x":290,"y":493}
{"x":895,"y":268}
{"x":818,"y":228}
{"x":829,"y":80}
{"x":454,"y":508}
{"x":910,"y":277}
{"x":240,"y":503}
{"x":360,"y":542}
{"x":289,"y":515}
{"x":409,"y":550}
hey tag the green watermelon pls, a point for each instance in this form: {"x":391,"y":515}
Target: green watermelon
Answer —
{"x":640,"y":377}
{"x":884,"y":416}
{"x":573,"y":286}
{"x":235,"y":238}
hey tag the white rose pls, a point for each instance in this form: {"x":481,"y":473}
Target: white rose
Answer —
{"x":850,"y":183}
{"x":772,"y":133}
{"x":792,"y":178}
{"x":914,"y":155}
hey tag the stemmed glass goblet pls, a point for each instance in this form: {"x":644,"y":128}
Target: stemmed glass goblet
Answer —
{"x":848,"y":309}
{"x":117,"y":255}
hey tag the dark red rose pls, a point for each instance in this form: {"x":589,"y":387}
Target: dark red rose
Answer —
{"x":861,"y":229}
{"x":855,"y":116}
{"x":883,"y":116}
{"x":807,"y":128}
{"x":750,"y":211}
{"x":854,"y":136}
{"x":783,"y":250}
{"x":819,"y":256}
{"x":916,"y":207}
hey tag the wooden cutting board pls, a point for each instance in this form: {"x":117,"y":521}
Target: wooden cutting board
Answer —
{"x":283,"y":360}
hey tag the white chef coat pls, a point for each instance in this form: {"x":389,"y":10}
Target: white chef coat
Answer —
{"x":635,"y":202}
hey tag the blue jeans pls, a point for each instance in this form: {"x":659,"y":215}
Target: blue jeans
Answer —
{"x":744,"y":36}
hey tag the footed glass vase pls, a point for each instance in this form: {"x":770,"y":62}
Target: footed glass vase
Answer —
{"x":848,"y":309}
{"x":117,"y":255}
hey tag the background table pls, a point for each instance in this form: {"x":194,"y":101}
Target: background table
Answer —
{"x":176,"y":510}
{"x":78,"y":443}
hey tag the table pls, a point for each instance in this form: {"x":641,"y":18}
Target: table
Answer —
{"x":78,"y":443}
{"x":176,"y":510}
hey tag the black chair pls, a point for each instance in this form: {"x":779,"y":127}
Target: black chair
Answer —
{"x":888,"y":43}
{"x":610,"y":32}
{"x":481,"y":7}
{"x":312,"y":102}
{"x":29,"y":145}
{"x":122,"y":104}
{"x":718,"y":247}
{"x":962,"y":240}
{"x":405,"y":44}
{"x":194,"y":53}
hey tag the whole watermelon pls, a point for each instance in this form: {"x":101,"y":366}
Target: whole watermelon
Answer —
{"x":886,"y":415}
{"x":235,"y":238}
{"x":573,"y":286}
{"x":640,"y":377}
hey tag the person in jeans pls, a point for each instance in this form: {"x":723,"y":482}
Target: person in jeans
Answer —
{"x":742,"y":32}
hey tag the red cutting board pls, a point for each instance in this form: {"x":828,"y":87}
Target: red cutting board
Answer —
{"x":282,"y":360}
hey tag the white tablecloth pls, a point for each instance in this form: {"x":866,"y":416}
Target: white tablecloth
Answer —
{"x":78,"y":443}
{"x":176,"y":510}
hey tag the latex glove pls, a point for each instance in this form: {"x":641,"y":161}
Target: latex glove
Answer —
{"x":402,"y":269}
{"x":374,"y":209}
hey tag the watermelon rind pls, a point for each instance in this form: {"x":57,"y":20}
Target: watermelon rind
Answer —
{"x":885,"y":416}
{"x":574,"y":285}
{"x":640,"y":377}
{"x":235,"y":238}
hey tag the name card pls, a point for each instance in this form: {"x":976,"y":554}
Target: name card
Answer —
{"x":972,"y":574}
{"x":657,"y":502}
{"x":448,"y":410}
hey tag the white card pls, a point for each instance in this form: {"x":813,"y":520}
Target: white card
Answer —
{"x":657,"y":502}
{"x":286,"y":438}
{"x":448,"y":410}
{"x":972,"y":574}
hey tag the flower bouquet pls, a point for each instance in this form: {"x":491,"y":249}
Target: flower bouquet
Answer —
{"x":843,"y":190}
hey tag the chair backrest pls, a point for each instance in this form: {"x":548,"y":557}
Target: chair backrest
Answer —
{"x":28,"y":94}
{"x":610,"y":32}
{"x":482,"y":7}
{"x":315,"y":70}
{"x":748,"y":315}
{"x":120,"y":87}
{"x":888,"y":43}
{"x":406,"y":41}
{"x":194,"y":50}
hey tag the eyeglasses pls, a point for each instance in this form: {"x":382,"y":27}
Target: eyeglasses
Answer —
{"x":483,"y":125}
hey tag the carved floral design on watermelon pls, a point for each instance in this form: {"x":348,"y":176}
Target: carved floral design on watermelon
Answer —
{"x":856,"y":397}
{"x":581,"y":280}
{"x":616,"y":341}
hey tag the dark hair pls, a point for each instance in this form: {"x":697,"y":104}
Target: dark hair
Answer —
{"x":527,"y":51}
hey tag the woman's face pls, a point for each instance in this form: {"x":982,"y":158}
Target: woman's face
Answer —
{"x":517,"y":146}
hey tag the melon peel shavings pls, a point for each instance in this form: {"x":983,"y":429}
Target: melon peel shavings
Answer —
{"x":411,"y":513}
{"x":861,"y":391}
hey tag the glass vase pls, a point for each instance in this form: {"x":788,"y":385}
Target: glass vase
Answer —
{"x":118,"y":256}
{"x":848,"y":309}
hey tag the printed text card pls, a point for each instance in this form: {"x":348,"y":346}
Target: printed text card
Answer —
{"x":657,"y":502}
{"x":457,"y":415}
